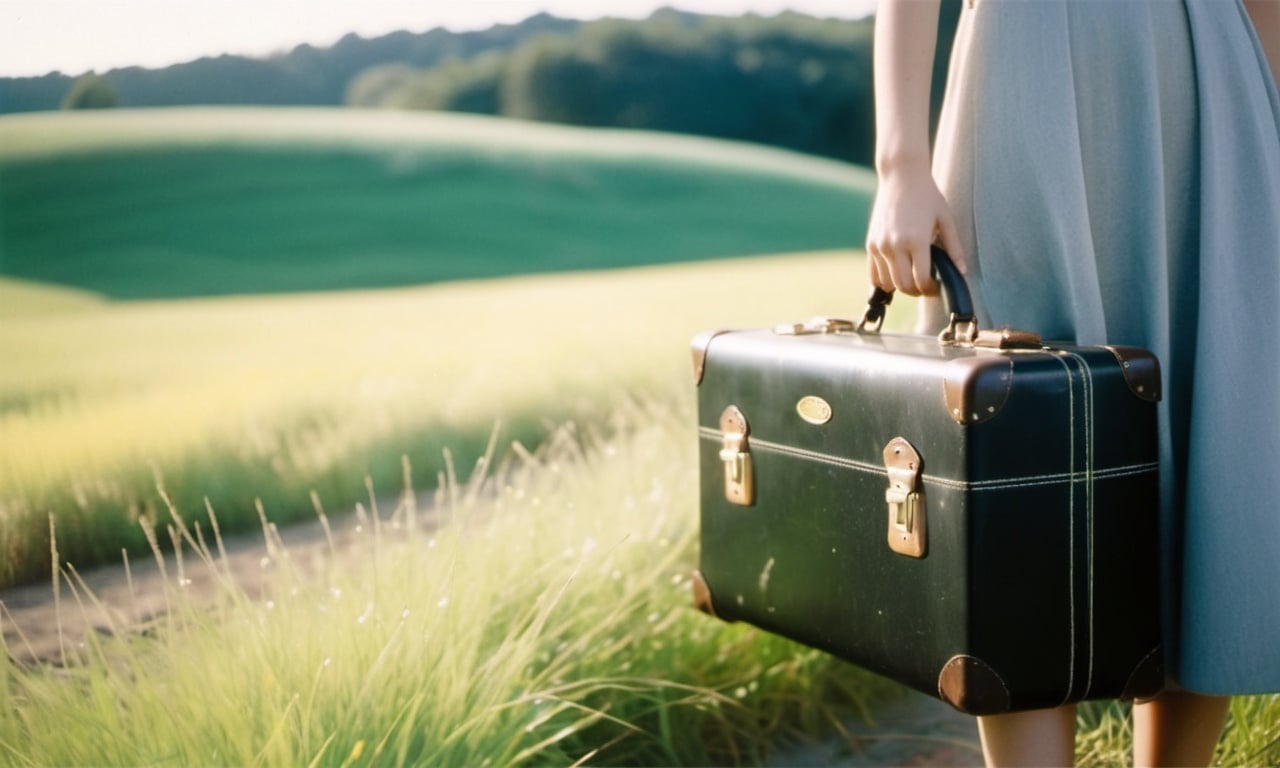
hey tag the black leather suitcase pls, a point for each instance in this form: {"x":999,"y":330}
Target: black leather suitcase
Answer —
{"x":973,"y":515}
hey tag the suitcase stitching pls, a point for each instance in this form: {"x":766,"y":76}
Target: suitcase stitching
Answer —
{"x":1126,"y":470}
{"x":1091,"y":432}
{"x":1101,"y":474}
{"x":1086,"y":374}
{"x":1071,"y":528}
{"x":1087,"y":421}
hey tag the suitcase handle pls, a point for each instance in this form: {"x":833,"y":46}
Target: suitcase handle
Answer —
{"x":962,"y":326}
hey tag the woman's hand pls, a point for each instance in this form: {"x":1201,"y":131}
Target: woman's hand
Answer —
{"x":908,"y":216}
{"x":909,"y":212}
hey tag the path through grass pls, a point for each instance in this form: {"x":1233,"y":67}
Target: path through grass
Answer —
{"x":547,"y":622}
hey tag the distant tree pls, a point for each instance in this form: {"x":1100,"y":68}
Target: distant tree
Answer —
{"x":473,"y":85}
{"x":789,"y":80}
{"x":454,"y":86}
{"x":91,"y":91}
{"x":384,"y":86}
{"x":552,"y":79}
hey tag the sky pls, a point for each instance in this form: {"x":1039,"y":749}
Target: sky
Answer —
{"x":76,"y":36}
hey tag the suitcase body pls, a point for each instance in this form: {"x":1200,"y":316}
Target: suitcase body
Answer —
{"x":979,"y":524}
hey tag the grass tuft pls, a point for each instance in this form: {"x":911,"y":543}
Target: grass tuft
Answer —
{"x":537,"y":614}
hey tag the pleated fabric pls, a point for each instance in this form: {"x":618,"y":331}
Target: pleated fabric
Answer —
{"x":1115,"y":169}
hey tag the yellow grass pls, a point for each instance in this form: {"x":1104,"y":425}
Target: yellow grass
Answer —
{"x":97,"y":392}
{"x":137,"y":380}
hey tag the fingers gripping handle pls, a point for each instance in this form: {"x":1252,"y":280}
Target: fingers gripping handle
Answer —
{"x":959,"y":300}
{"x":962,"y":326}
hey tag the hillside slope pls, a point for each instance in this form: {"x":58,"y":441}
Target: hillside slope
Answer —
{"x":185,"y":202}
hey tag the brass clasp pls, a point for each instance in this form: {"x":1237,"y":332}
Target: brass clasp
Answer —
{"x":961,"y":329}
{"x":739,"y":483}
{"x":907,"y":518}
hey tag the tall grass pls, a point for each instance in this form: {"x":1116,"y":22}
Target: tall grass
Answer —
{"x":238,"y":399}
{"x":533,"y":611}
{"x":1251,"y":736}
{"x":536,"y":613}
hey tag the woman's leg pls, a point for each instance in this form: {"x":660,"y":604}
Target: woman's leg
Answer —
{"x":1177,"y":728}
{"x":1041,"y":737}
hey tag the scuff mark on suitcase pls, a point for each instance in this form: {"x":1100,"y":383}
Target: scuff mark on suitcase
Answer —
{"x":764,"y":576}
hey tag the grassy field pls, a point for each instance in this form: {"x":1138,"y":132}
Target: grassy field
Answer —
{"x":187,"y":202}
{"x":249,"y":399}
{"x":536,"y":611}
{"x":244,"y":398}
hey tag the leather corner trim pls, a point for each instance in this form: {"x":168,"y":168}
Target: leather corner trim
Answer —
{"x":699,"y":349}
{"x":976,"y":388}
{"x":702,"y":599}
{"x":973,"y":687}
{"x":1141,"y":369}
{"x":1147,"y":679}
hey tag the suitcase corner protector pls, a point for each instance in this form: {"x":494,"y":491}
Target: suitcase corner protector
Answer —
{"x":698,"y":347}
{"x":1147,"y":679}
{"x":1141,"y":371}
{"x":702,"y":599}
{"x":976,"y":388}
{"x":971,"y":686}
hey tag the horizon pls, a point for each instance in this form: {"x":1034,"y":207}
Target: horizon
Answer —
{"x":41,"y":37}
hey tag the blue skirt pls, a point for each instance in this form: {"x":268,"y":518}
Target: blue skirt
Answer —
{"x":1114,"y":166}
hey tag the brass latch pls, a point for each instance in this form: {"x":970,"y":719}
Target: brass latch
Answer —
{"x":907,"y":519}
{"x":739,"y":485}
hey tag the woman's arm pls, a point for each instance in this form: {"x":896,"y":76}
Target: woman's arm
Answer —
{"x":909,"y":211}
{"x":1266,"y":21}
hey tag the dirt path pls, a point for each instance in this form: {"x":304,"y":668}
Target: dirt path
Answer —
{"x":35,"y":630}
{"x":910,"y":730}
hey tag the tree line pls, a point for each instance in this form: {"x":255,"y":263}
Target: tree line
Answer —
{"x":306,"y":75}
{"x":789,"y":80}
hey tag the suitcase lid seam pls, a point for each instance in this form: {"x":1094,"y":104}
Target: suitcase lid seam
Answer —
{"x":972,"y":485}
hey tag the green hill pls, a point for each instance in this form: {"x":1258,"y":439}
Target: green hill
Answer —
{"x":188,"y":202}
